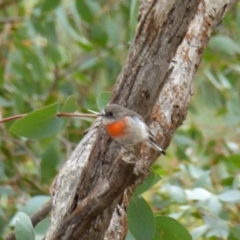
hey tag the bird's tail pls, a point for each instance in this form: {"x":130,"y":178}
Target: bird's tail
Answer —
{"x":151,"y":141}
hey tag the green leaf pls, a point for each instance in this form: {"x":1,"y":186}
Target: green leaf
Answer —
{"x":233,"y":114}
{"x":99,"y":35}
{"x":140,"y":219}
{"x":217,"y":227}
{"x":129,"y":236}
{"x":213,"y":79}
{"x":89,"y":63}
{"x":33,"y":65}
{"x":152,"y":179}
{"x":6,"y":190}
{"x":228,"y":181}
{"x":234,"y":160}
{"x":2,"y":167}
{"x":34,"y":203}
{"x":169,"y":229}
{"x":84,"y":10}
{"x":230,"y":196}
{"x":199,"y":194}
{"x":53,"y":53}
{"x":23,"y":227}
{"x":49,"y":164}
{"x":69,"y":106}
{"x":224,"y":81}
{"x":184,"y":141}
{"x":133,"y":12}
{"x":214,"y":205}
{"x":84,"y":44}
{"x":50,"y":5}
{"x":133,"y":17}
{"x":41,"y":123}
{"x":112,"y":30}
{"x":5,"y":103}
{"x":199,"y":231}
{"x":176,"y":193}
{"x":234,"y":232}
{"x":41,"y":228}
{"x":103,"y":100}
{"x":224,"y":44}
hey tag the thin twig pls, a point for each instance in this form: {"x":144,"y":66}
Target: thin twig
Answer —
{"x":41,"y":213}
{"x":81,"y":115}
{"x":12,"y":118}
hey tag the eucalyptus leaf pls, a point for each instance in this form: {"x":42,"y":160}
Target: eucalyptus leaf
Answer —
{"x":34,"y":203}
{"x":140,"y":219}
{"x":40,"y":123}
{"x":69,"y":106}
{"x":23,"y":227}
{"x":169,"y":229}
{"x":102,"y":100}
{"x":41,"y":228}
{"x":152,"y":179}
{"x":84,"y":10}
{"x":224,"y":44}
{"x":230,"y":196}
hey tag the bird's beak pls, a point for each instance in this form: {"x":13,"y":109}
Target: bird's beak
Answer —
{"x":101,"y":114}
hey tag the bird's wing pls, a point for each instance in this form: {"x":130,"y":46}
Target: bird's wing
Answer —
{"x":153,"y":143}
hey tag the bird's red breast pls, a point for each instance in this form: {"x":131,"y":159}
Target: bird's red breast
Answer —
{"x":117,"y":129}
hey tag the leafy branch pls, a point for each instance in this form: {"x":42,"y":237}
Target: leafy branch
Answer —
{"x":45,"y":122}
{"x":80,"y":115}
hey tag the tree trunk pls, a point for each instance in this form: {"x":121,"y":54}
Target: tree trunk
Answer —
{"x":92,"y":190}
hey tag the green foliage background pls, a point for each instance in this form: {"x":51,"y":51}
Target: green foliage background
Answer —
{"x":53,"y":49}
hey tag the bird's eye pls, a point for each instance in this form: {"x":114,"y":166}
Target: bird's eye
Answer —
{"x":110,"y":114}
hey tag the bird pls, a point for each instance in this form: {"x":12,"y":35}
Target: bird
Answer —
{"x":127,"y":127}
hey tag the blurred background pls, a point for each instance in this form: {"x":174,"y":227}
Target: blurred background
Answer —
{"x":53,"y":49}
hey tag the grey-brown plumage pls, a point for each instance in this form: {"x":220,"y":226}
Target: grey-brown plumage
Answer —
{"x":118,"y":112}
{"x":135,"y":130}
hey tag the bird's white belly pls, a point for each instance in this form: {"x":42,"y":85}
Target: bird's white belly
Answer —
{"x":136,"y":133}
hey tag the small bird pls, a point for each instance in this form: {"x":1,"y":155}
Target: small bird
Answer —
{"x":126,"y":126}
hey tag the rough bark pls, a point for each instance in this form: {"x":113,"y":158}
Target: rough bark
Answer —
{"x":92,"y":190}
